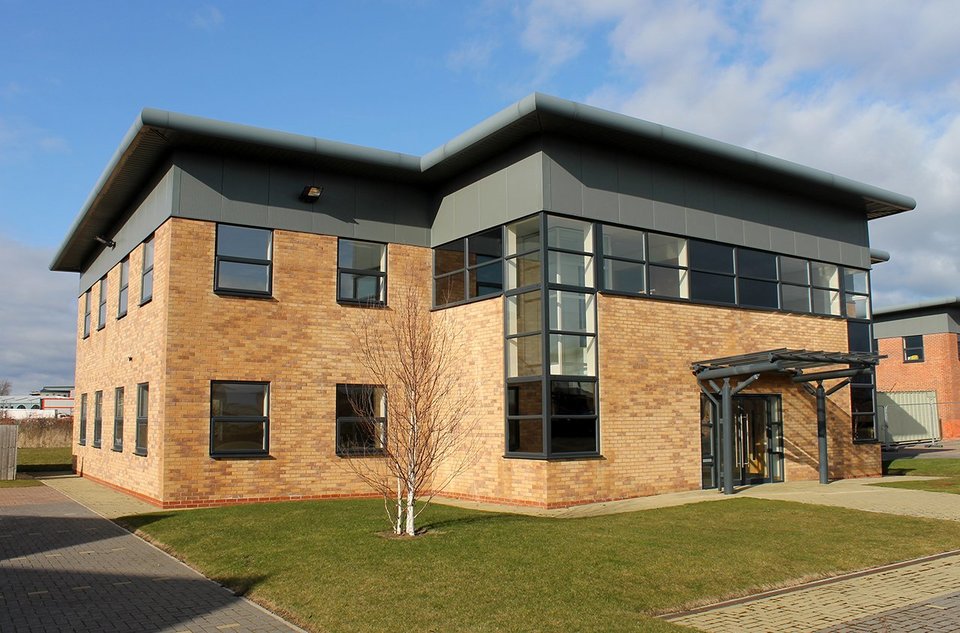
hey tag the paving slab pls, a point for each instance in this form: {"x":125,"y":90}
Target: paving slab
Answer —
{"x":65,"y":568}
{"x":926,"y":595}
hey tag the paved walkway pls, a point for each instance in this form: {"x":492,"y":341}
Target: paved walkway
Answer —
{"x":63,"y":568}
{"x":926,"y":594}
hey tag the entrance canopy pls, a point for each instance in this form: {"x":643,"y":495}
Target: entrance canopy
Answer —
{"x":783,"y":360}
{"x":796,"y":362}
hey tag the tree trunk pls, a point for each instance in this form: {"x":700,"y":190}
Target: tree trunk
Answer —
{"x":411,"y":511}
{"x":397,"y":529}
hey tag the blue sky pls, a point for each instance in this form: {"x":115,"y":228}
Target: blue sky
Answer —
{"x":867,"y":90}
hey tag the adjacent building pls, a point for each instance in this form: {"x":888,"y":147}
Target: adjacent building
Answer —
{"x":640,"y":307}
{"x":919,"y":379}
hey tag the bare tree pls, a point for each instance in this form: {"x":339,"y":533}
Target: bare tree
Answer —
{"x":5,"y":387}
{"x":428,"y":404}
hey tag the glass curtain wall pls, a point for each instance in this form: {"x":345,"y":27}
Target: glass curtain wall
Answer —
{"x":551,"y":338}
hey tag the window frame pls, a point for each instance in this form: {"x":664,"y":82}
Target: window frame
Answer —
{"x":118,"y":404}
{"x":86,"y":313}
{"x":380,"y":421}
{"x":907,"y":348}
{"x":242,"y":419}
{"x":97,"y":418}
{"x":149,"y":246}
{"x":102,"y":306}
{"x":466,"y":269}
{"x":217,"y":258}
{"x":143,"y":415}
{"x":123,"y":291}
{"x":82,"y":439}
{"x":380,"y":275}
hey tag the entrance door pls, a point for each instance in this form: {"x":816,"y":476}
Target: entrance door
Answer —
{"x":758,"y":441}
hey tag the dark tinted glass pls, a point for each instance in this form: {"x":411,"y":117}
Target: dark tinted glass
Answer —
{"x":623,"y":276}
{"x":362,"y":255}
{"x":359,"y":436}
{"x":243,"y":241}
{"x":361,"y":287}
{"x":573,"y":398}
{"x":826,"y":301}
{"x":360,"y":401}
{"x":794,"y":270}
{"x":146,"y":288}
{"x":449,"y":289}
{"x":573,"y":435}
{"x":243,"y":276}
{"x":795,"y":298}
{"x":760,"y":294}
{"x":486,"y":280}
{"x":485,"y":247}
{"x":861,"y":399}
{"x":710,"y":287}
{"x":858,"y":335}
{"x":525,"y":436}
{"x":448,"y":258}
{"x":864,"y":427}
{"x":238,"y":399}
{"x":524,"y":399}
{"x":143,"y":403}
{"x":756,"y":264}
{"x":711,"y":257}
{"x":238,"y":436}
{"x":621,"y":242}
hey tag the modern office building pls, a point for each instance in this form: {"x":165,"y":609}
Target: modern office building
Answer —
{"x":622,"y":289}
{"x":919,"y":379}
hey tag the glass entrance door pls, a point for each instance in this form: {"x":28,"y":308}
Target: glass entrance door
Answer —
{"x":758,"y":441}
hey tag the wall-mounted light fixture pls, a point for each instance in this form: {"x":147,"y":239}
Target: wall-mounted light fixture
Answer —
{"x":105,"y":241}
{"x":310,"y":194}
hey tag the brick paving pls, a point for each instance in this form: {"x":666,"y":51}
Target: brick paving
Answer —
{"x":920,"y":596}
{"x":64,"y":568}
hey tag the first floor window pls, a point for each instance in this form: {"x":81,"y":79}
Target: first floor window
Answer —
{"x":361,"y":419}
{"x":83,"y":419}
{"x":146,"y":275}
{"x":913,"y":349}
{"x":362,"y":272}
{"x":97,"y":418}
{"x":86,"y":314}
{"x":118,"y":419}
{"x":124,"y":287}
{"x":143,"y":405}
{"x":102,"y":313}
{"x":239,"y":418}
{"x":244,"y":260}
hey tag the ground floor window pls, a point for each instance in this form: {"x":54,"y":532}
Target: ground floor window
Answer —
{"x":97,"y":418}
{"x":143,"y":402}
{"x":239,"y":418}
{"x":83,"y":419}
{"x":361,"y":419}
{"x":118,"y":419}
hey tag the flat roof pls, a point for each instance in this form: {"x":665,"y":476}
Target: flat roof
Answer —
{"x":942,"y":304}
{"x":155,"y":134}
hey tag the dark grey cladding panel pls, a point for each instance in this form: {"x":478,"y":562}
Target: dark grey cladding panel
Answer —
{"x":260,"y":194}
{"x":580,"y":178}
{"x":150,"y":211}
{"x":912,"y":326}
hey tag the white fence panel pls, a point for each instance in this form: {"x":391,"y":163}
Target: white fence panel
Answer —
{"x":8,"y":451}
{"x":908,"y":416}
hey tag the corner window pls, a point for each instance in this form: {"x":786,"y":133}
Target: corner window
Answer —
{"x":825,"y":282}
{"x":239,"y":418}
{"x":97,"y":418}
{"x":862,"y":388}
{"x":102,"y":313}
{"x":146,"y":277}
{"x":118,"y":419}
{"x":361,"y":419}
{"x":83,"y":420}
{"x":468,"y":268}
{"x":124,"y":288}
{"x":143,"y":406}
{"x":856,"y":293}
{"x":86,"y":314}
{"x":361,"y":272}
{"x":244,"y":260}
{"x":913,"y":349}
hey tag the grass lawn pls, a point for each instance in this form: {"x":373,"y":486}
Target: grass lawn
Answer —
{"x":324,"y":565}
{"x":20,"y":483}
{"x":949,"y":469}
{"x":44,"y":459}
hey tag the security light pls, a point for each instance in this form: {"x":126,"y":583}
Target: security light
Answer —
{"x":310,"y":194}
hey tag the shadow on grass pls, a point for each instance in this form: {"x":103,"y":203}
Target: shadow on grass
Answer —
{"x":440,"y":524}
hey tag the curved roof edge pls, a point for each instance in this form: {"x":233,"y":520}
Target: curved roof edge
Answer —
{"x":878,"y":256}
{"x":534,"y":112}
{"x":943,"y":302}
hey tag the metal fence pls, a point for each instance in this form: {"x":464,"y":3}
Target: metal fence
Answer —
{"x":908,"y":417}
{"x":8,"y":451}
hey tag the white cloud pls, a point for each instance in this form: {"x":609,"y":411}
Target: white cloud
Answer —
{"x":20,"y":139}
{"x":472,"y":55}
{"x":207,"y":18}
{"x":38,"y":311}
{"x":865,"y":90}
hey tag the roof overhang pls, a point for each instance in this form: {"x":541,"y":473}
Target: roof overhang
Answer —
{"x":943,"y":304}
{"x":156,"y":134}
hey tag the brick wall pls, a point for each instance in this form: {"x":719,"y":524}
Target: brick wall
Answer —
{"x":127,"y":351}
{"x":939,"y":371}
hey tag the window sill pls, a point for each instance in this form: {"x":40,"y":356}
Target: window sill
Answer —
{"x":554,"y":458}
{"x":144,"y":302}
{"x":120,"y":316}
{"x":360,"y":454}
{"x":82,"y":443}
{"x":100,"y":327}
{"x":117,"y":450}
{"x":352,"y":303}
{"x":220,"y":456}
{"x":866,"y":441}
{"x":467,"y":301}
{"x":140,"y":453}
{"x":912,"y":362}
{"x":226,"y":292}
{"x":95,"y":445}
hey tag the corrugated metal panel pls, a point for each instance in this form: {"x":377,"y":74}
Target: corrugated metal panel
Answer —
{"x":908,"y":416}
{"x":8,"y":452}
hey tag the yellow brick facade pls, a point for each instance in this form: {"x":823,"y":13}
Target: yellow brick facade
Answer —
{"x":299,"y":340}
